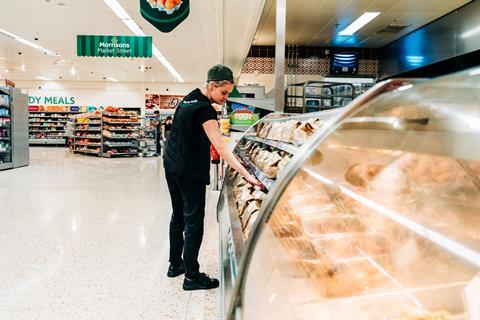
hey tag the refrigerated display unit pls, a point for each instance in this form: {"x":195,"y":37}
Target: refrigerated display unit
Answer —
{"x":6,"y":160}
{"x":13,"y":129}
{"x":313,"y":96}
{"x":377,"y":216}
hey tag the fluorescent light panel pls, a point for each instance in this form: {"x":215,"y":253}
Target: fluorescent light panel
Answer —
{"x":359,"y":23}
{"x":28,"y":43}
{"x":128,"y":21}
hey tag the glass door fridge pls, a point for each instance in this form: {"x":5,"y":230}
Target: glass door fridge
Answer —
{"x":5,"y":129}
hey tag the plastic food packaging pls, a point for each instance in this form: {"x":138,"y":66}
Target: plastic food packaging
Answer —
{"x":282,"y":164}
{"x":275,"y":132}
{"x":303,"y":132}
{"x":270,"y":165}
{"x":264,"y":130}
{"x":288,"y":128}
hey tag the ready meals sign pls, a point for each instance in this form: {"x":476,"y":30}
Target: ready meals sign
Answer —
{"x":50,"y":100}
{"x":114,"y":46}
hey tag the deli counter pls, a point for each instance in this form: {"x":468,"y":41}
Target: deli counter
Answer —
{"x":376,"y":216}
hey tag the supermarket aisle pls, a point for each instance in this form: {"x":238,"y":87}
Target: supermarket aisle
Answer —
{"x":87,"y":238}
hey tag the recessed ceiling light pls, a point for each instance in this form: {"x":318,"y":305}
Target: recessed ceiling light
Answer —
{"x":28,"y":43}
{"x":125,"y":17}
{"x":23,"y":68}
{"x":43,"y":78}
{"x":359,"y":23}
{"x":6,"y":71}
{"x":73,"y":71}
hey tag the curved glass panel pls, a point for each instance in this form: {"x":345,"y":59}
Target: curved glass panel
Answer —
{"x":383,"y":221}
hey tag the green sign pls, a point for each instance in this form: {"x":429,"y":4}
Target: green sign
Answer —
{"x":52,"y":100}
{"x":165,"y":15}
{"x":114,"y":46}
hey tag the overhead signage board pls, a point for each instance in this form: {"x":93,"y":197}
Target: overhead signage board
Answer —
{"x":114,"y":46}
{"x":165,"y":15}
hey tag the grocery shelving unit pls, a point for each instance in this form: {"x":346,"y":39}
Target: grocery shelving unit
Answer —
{"x":47,"y":127}
{"x":120,"y":134}
{"x":87,"y":134}
{"x":314,"y":96}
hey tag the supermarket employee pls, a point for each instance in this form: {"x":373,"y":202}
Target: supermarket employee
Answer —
{"x":187,"y":169}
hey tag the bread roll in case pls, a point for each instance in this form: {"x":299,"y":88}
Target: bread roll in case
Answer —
{"x":287,"y":130}
{"x":264,"y":130}
{"x":270,"y":165}
{"x":275,"y":132}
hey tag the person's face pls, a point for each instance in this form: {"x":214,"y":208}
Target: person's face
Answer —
{"x":220,"y":94}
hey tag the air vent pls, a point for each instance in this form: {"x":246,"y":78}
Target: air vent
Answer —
{"x":394,"y":28}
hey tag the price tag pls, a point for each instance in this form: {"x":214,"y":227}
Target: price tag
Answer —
{"x":472,"y":297}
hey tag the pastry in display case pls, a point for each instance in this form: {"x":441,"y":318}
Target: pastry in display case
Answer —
{"x":379,"y":219}
{"x":266,"y":150}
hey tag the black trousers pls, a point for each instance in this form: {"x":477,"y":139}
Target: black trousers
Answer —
{"x":159,"y":146}
{"x":188,"y":204}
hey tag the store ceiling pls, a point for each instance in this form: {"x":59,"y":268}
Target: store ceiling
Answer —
{"x":316,"y":22}
{"x":192,"y":48}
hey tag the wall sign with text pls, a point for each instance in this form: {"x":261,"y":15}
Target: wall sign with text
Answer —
{"x":114,"y":46}
{"x":50,"y":100}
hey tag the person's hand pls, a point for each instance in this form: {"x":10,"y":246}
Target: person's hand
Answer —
{"x":253,"y":181}
{"x":164,"y":140}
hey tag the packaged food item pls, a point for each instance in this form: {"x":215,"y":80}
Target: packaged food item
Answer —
{"x":264,"y":130}
{"x":276,"y":130}
{"x":270,"y":165}
{"x":250,"y":222}
{"x":303,"y":132}
{"x":261,"y":158}
{"x":243,"y":200}
{"x":288,"y":128}
{"x":259,"y":195}
{"x":282,"y":164}
{"x":252,"y":208}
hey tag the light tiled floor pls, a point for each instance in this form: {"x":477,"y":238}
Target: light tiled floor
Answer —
{"x":87,"y":238}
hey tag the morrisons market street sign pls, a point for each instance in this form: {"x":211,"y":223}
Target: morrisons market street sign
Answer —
{"x":114,"y":46}
{"x":165,"y":15}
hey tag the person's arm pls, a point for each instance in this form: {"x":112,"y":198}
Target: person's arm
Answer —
{"x":163,"y":133}
{"x":211,"y":129}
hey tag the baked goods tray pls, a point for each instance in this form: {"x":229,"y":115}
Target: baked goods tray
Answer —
{"x":290,"y":148}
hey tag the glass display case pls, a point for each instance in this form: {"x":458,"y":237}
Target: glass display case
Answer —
{"x":266,"y":148}
{"x":377,"y":217}
{"x":6,"y":159}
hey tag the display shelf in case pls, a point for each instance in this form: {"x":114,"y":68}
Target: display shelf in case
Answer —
{"x":384,"y":224}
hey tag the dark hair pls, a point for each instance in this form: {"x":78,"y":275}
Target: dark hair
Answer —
{"x":156,"y":112}
{"x":168,"y":118}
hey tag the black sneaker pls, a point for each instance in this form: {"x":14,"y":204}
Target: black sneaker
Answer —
{"x":202,"y":282}
{"x":175,"y":271}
